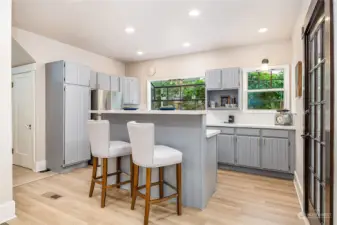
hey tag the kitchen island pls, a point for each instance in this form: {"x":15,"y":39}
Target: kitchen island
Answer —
{"x":182,"y":130}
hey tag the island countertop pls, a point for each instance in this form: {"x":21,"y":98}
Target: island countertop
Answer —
{"x":157,"y":112}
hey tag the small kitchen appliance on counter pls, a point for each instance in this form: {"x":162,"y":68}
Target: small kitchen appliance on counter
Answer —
{"x":284,"y":117}
{"x":230,"y":119}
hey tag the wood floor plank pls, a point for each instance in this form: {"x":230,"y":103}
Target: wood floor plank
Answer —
{"x":240,"y":199}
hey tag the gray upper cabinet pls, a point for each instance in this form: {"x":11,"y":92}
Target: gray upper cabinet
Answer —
{"x":93,"y":79}
{"x":223,"y":79}
{"x":275,"y":154}
{"x":248,"y":151}
{"x":226,"y":149}
{"x":130,"y":90}
{"x":213,"y":79}
{"x":76,"y":74}
{"x":231,"y":78}
{"x":114,"y":83}
{"x":103,"y":81}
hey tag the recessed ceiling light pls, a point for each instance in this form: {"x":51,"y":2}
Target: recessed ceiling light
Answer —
{"x":130,"y":30}
{"x":186,"y":44}
{"x":263,"y":30}
{"x":194,"y":13}
{"x":140,"y":53}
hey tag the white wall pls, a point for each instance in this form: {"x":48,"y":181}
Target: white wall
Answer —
{"x":298,"y":55}
{"x":7,"y":206}
{"x":195,"y":65}
{"x":45,"y":50}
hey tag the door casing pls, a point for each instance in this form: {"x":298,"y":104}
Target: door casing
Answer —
{"x":17,"y":71}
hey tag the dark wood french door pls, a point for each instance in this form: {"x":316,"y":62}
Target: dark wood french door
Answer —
{"x":318,"y":136}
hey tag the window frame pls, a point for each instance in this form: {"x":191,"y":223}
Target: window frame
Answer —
{"x":149,"y":91}
{"x":285,"y":89}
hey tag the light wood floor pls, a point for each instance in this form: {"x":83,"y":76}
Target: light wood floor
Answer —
{"x":240,"y":199}
{"x":23,"y":176}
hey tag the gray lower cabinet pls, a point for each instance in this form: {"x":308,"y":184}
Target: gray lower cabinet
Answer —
{"x":275,"y":154}
{"x":248,"y":151}
{"x":226,"y":149}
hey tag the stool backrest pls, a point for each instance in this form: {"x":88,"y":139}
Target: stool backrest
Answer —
{"x":142,"y":142}
{"x":99,"y":137}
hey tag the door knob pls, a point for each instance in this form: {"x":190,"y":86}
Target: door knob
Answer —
{"x":29,"y":126}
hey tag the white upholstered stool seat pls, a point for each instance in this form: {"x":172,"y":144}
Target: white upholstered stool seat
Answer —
{"x":166,"y":156}
{"x":119,"y":148}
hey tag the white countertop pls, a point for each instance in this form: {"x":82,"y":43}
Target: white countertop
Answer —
{"x":210,"y":133}
{"x":277,"y":127}
{"x":160,"y":112}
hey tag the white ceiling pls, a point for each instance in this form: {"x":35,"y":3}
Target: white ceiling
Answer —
{"x":161,"y":26}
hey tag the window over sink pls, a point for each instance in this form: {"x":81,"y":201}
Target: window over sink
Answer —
{"x":266,"y":90}
{"x":182,"y":94}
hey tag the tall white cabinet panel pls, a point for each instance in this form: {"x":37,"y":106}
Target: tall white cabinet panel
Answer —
{"x":71,"y":139}
{"x":103,"y":81}
{"x":67,"y":113}
{"x":83,"y":117}
{"x":214,"y":79}
{"x":275,"y":154}
{"x":114,"y":83}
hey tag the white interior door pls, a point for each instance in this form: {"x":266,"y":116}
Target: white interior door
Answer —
{"x":23,"y":119}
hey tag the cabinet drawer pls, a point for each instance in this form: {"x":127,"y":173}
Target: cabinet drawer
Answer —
{"x":247,"y":131}
{"x":227,"y":130}
{"x":275,"y":133}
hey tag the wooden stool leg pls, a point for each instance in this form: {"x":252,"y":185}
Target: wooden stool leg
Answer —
{"x":178,"y":169}
{"x":131,"y":175}
{"x":135,"y":185}
{"x":104,"y":181}
{"x":161,"y":180}
{"x":118,"y":169}
{"x":147,"y":196}
{"x":93,"y":177}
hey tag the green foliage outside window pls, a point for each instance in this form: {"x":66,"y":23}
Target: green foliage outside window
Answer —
{"x":184,"y":94}
{"x":273,"y":79}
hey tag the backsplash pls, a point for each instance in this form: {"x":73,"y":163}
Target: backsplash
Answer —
{"x":214,"y":116}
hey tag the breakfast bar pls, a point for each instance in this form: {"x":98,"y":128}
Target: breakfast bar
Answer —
{"x":182,"y":130}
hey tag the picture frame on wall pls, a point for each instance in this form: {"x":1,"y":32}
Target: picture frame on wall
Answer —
{"x":298,"y":79}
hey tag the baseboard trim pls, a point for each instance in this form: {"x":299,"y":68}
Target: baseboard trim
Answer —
{"x":40,"y":166}
{"x":299,"y":190}
{"x":7,"y":211}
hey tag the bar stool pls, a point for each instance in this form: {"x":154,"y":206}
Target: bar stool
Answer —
{"x":148,"y":155}
{"x":102,"y":147}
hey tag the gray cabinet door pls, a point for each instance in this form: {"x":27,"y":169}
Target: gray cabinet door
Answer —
{"x":93,"y":80}
{"x":76,"y":74}
{"x":83,"y":116}
{"x":275,"y":154}
{"x":70,"y":73}
{"x":103,"y":81}
{"x":226,"y":149}
{"x":248,"y":151}
{"x":134,"y":90}
{"x":114,"y":83}
{"x":83,"y":75}
{"x":72,"y":94}
{"x":213,"y":79}
{"x":231,"y":78}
